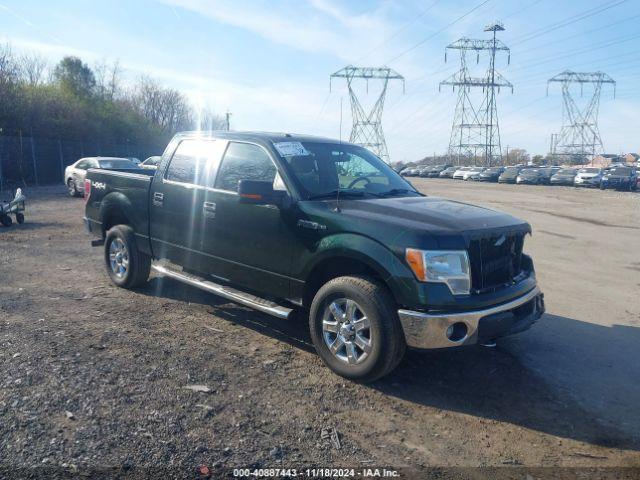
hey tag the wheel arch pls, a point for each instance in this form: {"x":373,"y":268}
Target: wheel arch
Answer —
{"x":354,"y":255}
{"x":115,"y":209}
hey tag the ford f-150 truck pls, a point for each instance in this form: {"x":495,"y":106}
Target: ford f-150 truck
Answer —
{"x":279,"y":222}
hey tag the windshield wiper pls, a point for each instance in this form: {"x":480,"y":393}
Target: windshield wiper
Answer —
{"x":334,"y":193}
{"x":396,"y":191}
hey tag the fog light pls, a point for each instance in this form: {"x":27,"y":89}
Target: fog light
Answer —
{"x":457,"y":332}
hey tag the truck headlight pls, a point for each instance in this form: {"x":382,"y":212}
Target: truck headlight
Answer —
{"x":441,"y":266}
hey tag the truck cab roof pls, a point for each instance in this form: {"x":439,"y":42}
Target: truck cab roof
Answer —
{"x":258,"y":137}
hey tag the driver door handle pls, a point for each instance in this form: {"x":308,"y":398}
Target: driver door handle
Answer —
{"x":209,"y":209}
{"x":158,"y":199}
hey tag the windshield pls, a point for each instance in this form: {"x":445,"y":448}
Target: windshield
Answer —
{"x":566,"y":171}
{"x":152,"y":161}
{"x":115,"y":163}
{"x":321,"y":168}
{"x":621,"y":171}
{"x":589,"y":170}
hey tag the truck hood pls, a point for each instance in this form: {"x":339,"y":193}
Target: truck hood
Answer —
{"x":418,"y":222}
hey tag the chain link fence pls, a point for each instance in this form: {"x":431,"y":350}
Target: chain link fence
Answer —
{"x":41,"y":161}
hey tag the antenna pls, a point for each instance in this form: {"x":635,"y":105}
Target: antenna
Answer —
{"x":338,"y":176}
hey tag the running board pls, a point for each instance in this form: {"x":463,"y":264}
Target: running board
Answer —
{"x":229,"y":293}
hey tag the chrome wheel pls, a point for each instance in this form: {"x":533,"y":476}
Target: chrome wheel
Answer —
{"x":71,"y":187}
{"x":347,"y":331}
{"x":118,"y":257}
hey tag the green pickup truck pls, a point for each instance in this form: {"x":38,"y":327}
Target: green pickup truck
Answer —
{"x":279,"y":222}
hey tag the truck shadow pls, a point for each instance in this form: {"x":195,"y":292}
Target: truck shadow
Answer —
{"x":27,"y":226}
{"x":488,"y":383}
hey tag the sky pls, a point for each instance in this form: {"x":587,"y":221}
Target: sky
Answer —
{"x":268,"y":62}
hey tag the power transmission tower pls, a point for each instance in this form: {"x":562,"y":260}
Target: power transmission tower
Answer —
{"x":579,"y":135}
{"x":367,"y":127}
{"x":475,"y":127}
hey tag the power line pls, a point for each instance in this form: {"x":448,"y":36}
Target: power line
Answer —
{"x":572,"y":53}
{"x":568,"y":21}
{"x":624,"y":20}
{"x":400,"y":30}
{"x":438,"y":32}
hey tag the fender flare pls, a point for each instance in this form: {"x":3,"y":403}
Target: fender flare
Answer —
{"x":391,"y":270}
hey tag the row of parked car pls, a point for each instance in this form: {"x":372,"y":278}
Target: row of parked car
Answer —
{"x":619,"y":176}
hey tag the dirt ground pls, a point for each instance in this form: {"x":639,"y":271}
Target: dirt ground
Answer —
{"x":92,"y":376}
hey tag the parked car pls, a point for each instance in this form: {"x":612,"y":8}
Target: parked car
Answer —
{"x":448,"y":172}
{"x":473,"y":173}
{"x":620,"y":178}
{"x":491,"y":174}
{"x":459,"y":173}
{"x":564,"y":176}
{"x":411,"y":172}
{"x":151,"y":162}
{"x":530,"y":176}
{"x":510,"y":175}
{"x":434,"y":172}
{"x":588,"y":177}
{"x":75,"y":173}
{"x":536,"y":176}
{"x":328,"y":245}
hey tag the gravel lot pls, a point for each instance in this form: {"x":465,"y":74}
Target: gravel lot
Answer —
{"x":94,"y":377}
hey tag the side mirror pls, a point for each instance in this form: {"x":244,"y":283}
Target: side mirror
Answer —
{"x":260,"y":193}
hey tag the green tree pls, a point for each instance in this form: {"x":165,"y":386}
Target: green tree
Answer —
{"x":75,"y":76}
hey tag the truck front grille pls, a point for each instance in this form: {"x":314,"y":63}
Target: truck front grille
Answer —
{"x":495,"y":261}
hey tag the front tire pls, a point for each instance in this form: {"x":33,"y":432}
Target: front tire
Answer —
{"x":6,"y":220}
{"x":127,"y":266}
{"x":355,"y":328}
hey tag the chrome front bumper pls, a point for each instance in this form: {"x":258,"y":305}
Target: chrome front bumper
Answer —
{"x":444,"y":330}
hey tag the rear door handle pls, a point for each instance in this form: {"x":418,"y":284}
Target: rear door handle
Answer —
{"x":209,"y":209}
{"x":158,"y":199}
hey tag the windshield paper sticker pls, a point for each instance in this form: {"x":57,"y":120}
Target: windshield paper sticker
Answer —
{"x":291,"y":149}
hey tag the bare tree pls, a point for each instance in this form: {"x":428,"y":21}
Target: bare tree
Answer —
{"x":108,"y":79}
{"x":33,"y":69}
{"x":8,"y":66}
{"x":206,"y":119}
{"x":165,"y":107}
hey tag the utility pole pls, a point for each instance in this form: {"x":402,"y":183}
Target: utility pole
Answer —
{"x":366,"y":130}
{"x":227,"y":121}
{"x":579,"y":134}
{"x":475,"y":123}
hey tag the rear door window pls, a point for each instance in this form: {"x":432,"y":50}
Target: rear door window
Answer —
{"x":244,"y":161}
{"x":195,"y":162}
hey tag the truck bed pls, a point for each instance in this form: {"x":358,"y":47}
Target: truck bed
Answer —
{"x":126,"y":191}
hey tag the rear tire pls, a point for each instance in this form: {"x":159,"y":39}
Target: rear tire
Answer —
{"x":71,"y":188}
{"x":127,"y":266}
{"x":6,"y":220}
{"x":20,"y":218}
{"x":357,"y":318}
